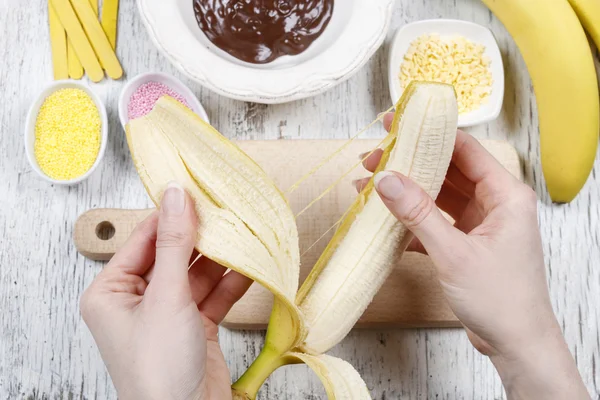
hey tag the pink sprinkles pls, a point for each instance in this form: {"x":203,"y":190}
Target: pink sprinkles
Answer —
{"x":143,"y":99}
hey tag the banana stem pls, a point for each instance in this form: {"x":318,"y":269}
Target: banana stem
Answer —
{"x":247,"y":386}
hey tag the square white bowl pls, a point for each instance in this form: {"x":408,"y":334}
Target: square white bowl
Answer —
{"x":32,"y":118}
{"x":446,"y":28}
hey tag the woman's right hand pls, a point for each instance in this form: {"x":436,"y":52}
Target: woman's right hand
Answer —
{"x":490,"y":265}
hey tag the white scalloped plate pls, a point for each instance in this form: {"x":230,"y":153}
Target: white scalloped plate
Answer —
{"x":356,"y":30}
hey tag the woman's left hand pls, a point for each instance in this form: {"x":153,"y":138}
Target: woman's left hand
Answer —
{"x":154,"y":319}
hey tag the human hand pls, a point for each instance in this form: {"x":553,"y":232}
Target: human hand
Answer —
{"x":156,"y":322}
{"x":490,"y":265}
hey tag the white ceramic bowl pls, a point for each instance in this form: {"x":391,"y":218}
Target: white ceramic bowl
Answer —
{"x":446,"y":28}
{"x":167,"y":80}
{"x":357,"y":28}
{"x":30,"y":128}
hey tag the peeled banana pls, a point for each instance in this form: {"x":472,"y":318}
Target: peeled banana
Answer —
{"x":560,"y":62}
{"x":245,"y":224}
{"x":370,"y":240}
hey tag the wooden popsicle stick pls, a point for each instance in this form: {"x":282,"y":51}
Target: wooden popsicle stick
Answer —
{"x":78,"y":39}
{"x":110,"y":13}
{"x":58,"y":41}
{"x":75,"y":67}
{"x":97,"y":37}
{"x":99,"y":233}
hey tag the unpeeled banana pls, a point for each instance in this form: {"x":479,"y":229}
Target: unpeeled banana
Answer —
{"x":245,"y":224}
{"x":560,"y":62}
{"x":588,"y":12}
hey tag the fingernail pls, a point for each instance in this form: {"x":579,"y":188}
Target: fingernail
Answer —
{"x":362,"y":156}
{"x":389,"y":185}
{"x":173,"y":201}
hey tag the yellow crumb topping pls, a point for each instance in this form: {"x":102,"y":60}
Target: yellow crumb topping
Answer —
{"x":456,"y":61}
{"x":67,"y":134}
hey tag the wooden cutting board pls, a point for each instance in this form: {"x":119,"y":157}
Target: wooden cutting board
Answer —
{"x":411,"y":297}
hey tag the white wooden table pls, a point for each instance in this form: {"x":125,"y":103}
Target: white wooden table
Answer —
{"x":46,"y":352}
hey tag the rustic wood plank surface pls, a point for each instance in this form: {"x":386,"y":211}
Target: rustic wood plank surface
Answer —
{"x":46,"y":352}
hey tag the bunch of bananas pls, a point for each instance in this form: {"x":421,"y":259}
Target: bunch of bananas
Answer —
{"x":553,"y":43}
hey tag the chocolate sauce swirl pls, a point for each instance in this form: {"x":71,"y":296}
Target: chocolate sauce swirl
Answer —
{"x":260,"y":31}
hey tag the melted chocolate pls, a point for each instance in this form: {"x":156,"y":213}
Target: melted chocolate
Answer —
{"x":260,"y":31}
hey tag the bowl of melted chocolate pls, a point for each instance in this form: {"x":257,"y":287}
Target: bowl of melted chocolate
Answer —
{"x":267,"y":51}
{"x":259,"y":31}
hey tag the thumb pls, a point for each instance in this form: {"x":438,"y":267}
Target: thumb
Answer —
{"x":175,"y":240}
{"x":417,"y":211}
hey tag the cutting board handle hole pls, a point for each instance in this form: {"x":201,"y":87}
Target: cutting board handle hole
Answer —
{"x":105,"y":230}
